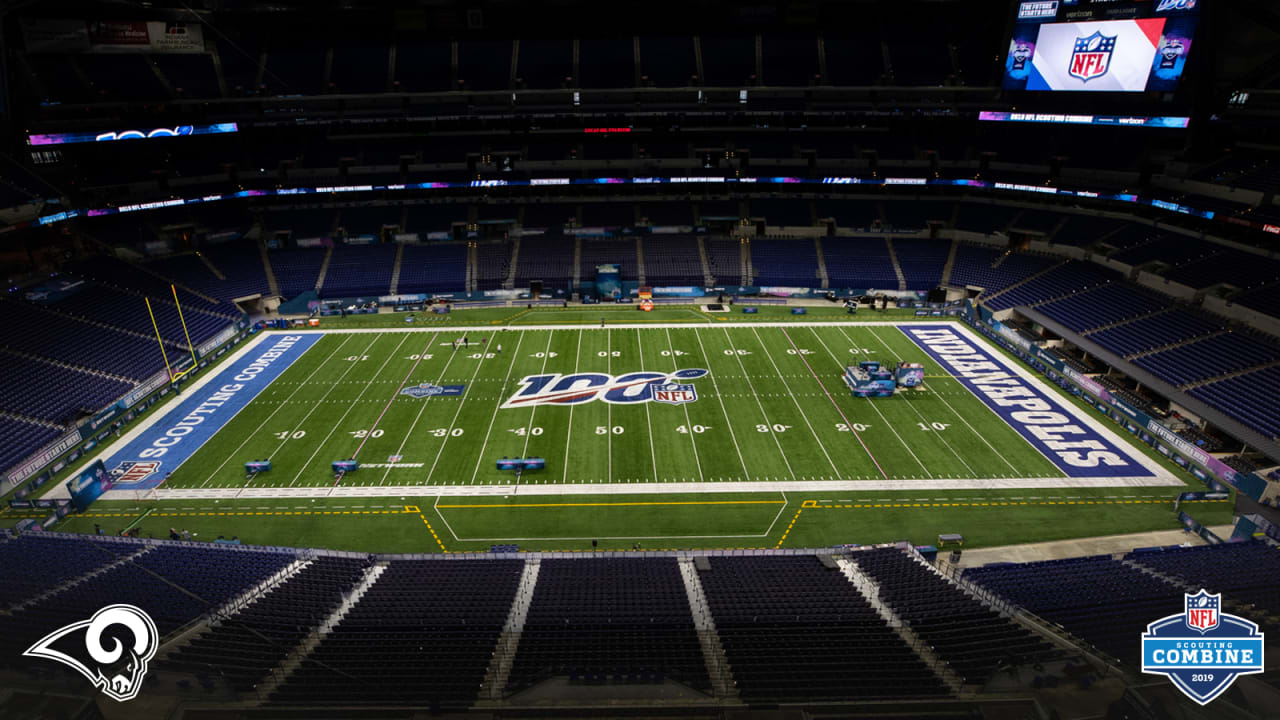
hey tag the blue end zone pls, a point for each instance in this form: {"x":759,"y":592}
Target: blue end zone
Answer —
{"x":1052,"y":426}
{"x":144,"y":462}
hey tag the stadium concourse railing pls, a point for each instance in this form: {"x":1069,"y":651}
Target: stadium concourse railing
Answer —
{"x":44,"y":464}
{"x":1203,"y":466}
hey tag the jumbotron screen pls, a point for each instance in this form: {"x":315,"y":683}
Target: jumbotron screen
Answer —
{"x":1100,"y":45}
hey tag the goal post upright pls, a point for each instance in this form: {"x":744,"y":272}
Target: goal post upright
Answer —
{"x":159,"y":341}
{"x":182,"y":320}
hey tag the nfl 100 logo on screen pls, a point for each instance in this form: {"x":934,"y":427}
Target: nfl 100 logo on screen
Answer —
{"x":1202,"y":650}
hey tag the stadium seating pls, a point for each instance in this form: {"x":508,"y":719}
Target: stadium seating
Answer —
{"x":971,"y":637}
{"x":792,"y":263}
{"x":1247,"y":398}
{"x":246,"y":646}
{"x":1213,"y":356}
{"x":22,"y":439}
{"x":549,"y":259}
{"x":39,"y":331}
{"x":724,"y":258}
{"x":173,"y":583}
{"x":356,"y":270}
{"x":616,"y":618}
{"x":1243,"y":572}
{"x":493,"y":263}
{"x":599,"y":251}
{"x":1156,"y":331}
{"x":432,"y":268}
{"x":794,"y":630}
{"x":1103,"y":305}
{"x":672,"y":260}
{"x":858,"y":263}
{"x":1070,"y":592}
{"x":422,"y":634}
{"x":55,"y":394}
{"x":921,"y":261}
{"x":1064,"y":280}
{"x":297,"y":270}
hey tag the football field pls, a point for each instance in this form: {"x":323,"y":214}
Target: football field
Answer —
{"x":654,"y":435}
{"x":745,"y":405}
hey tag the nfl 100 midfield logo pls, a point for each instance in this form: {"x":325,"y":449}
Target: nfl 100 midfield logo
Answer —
{"x":1202,"y":650}
{"x":634,"y":387}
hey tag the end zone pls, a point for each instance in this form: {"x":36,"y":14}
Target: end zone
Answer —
{"x":159,"y":447}
{"x":1077,"y":444}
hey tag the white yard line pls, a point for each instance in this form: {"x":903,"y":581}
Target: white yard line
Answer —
{"x":515,"y":357}
{"x":872,"y":402}
{"x":545,"y":354}
{"x":952,"y":409}
{"x":688,"y":424}
{"x":716,"y":389}
{"x":608,"y":365}
{"x":648,"y":421}
{"x":252,"y":435}
{"x":439,"y":381}
{"x":462,"y":402}
{"x":347,"y":412}
{"x":577,"y":357}
{"x":768,"y":423}
{"x":803,"y":416}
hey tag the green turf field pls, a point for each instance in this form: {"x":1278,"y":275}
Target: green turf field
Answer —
{"x":772,"y":409}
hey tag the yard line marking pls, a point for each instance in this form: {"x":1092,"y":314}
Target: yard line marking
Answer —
{"x":494,"y":417}
{"x":653,"y":456}
{"x":790,"y":473}
{"x":347,"y":412}
{"x":688,"y":423}
{"x":529,"y":430}
{"x":577,"y":356}
{"x":462,"y":402}
{"x":273,"y":413}
{"x":608,"y":365}
{"x":952,"y":409}
{"x":393,"y":397}
{"x":416,"y":418}
{"x":804,"y":416}
{"x":839,"y":409}
{"x":716,"y":389}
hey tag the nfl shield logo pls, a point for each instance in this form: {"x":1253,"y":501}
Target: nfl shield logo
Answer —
{"x":674,"y":393}
{"x":1202,"y":611}
{"x":1091,"y":57}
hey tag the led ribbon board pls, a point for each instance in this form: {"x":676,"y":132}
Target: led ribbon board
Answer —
{"x":132,"y":134}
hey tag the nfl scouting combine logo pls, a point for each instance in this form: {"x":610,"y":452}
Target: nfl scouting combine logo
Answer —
{"x":1203,"y":649}
{"x":636,"y":387}
{"x":113,"y":667}
{"x":429,"y":390}
{"x":1091,"y":57}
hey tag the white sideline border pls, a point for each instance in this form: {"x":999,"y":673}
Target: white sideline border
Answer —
{"x":1160,"y":477}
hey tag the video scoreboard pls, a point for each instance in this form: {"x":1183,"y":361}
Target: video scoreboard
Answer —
{"x":1100,"y":45}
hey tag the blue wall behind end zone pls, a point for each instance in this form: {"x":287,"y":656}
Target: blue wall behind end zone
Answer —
{"x":1052,"y":426}
{"x":143,"y":463}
